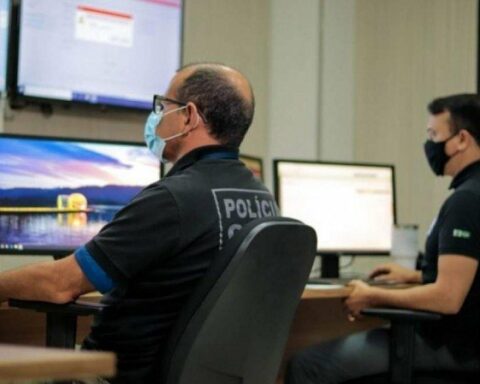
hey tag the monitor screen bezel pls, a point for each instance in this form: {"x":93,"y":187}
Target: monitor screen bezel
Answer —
{"x":19,"y":100}
{"x":276,"y":186}
{"x":65,"y":251}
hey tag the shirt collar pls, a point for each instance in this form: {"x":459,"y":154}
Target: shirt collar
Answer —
{"x":465,"y":174}
{"x":200,"y":153}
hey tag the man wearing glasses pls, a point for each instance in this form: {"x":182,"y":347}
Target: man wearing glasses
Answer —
{"x":148,"y":260}
{"x":448,"y":283}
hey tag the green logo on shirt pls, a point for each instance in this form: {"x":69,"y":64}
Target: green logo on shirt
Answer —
{"x":462,"y":234}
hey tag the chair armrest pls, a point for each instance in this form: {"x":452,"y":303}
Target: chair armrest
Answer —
{"x":404,"y":315}
{"x":77,"y":308}
{"x":61,"y":327}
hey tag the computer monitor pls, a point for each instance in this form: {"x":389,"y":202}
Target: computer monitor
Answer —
{"x":4,"y":33}
{"x":56,"y":193}
{"x":351,"y":206}
{"x":254,"y":164}
{"x":106,"y":52}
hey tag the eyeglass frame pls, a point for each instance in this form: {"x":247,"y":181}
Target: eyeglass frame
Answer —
{"x":158,"y":99}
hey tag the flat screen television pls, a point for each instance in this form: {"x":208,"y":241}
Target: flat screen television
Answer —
{"x":351,"y":206}
{"x":106,"y":52}
{"x":56,"y":193}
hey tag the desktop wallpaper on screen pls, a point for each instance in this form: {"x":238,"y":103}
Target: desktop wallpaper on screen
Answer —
{"x":55,"y":194}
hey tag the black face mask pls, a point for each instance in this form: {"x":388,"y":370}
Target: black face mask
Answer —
{"x":436,"y":156}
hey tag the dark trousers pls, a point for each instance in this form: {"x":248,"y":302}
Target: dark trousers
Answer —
{"x":361,"y":355}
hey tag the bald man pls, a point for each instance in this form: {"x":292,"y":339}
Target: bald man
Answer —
{"x":148,"y":260}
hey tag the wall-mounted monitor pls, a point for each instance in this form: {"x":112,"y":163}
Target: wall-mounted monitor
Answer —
{"x":56,"y":194}
{"x":106,"y":52}
{"x":351,"y":206}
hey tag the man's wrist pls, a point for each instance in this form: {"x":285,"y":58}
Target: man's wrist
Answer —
{"x":416,"y":277}
{"x":373,"y":297}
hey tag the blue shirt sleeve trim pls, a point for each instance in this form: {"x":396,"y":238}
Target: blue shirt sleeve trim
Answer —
{"x":94,"y":273}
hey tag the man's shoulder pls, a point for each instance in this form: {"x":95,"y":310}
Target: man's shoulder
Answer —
{"x":153,"y":194}
{"x":471,"y":185}
{"x":463,"y":195}
{"x":462,"y":202}
{"x":211,"y":175}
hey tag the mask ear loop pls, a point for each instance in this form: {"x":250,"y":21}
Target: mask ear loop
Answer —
{"x":183,"y":133}
{"x":458,"y":150}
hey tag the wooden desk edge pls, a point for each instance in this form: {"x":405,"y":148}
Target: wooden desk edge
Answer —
{"x":328,"y":293}
{"x":27,"y":363}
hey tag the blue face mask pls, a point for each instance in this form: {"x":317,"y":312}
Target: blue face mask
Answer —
{"x":155,"y":143}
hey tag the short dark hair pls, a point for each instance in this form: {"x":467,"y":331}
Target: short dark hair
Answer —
{"x":464,"y":111}
{"x":228,"y":113}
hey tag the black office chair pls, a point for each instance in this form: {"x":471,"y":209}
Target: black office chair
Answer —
{"x":402,"y":351}
{"x":234,"y":327}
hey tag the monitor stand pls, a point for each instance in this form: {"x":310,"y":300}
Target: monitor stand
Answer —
{"x":330,"y":265}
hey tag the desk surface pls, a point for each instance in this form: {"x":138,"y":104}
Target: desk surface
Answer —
{"x":310,"y":292}
{"x":326,"y":292}
{"x":27,"y":363}
{"x":341,"y":291}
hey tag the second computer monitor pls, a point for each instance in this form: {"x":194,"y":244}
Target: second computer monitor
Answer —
{"x":254,"y":164}
{"x":57,"y":193}
{"x":350,"y":206}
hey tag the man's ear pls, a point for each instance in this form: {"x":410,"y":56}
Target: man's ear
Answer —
{"x":466,"y":139}
{"x":192,"y":117}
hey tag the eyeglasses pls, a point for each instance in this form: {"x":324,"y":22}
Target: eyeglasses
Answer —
{"x":158,"y":103}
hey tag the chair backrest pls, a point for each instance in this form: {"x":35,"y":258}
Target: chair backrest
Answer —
{"x":235,"y":326}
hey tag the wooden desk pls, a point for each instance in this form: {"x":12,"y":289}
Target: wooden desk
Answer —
{"x":326,"y":292}
{"x":33,"y":363}
{"x":320,"y":316}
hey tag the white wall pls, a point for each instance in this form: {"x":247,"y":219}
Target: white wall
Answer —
{"x":235,"y":33}
{"x":337,"y":83}
{"x":407,"y":53}
{"x":294,"y":73}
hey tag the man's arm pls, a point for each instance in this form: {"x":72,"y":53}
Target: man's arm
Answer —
{"x":58,"y":281}
{"x":395,"y":272}
{"x":446,"y":295}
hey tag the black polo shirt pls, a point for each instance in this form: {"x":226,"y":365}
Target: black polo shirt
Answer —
{"x":159,"y":246}
{"x":456,"y":230}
